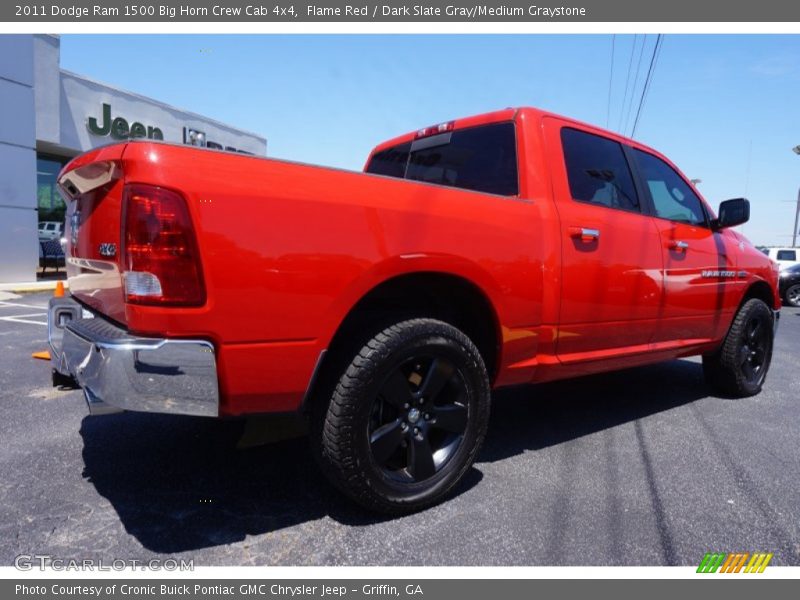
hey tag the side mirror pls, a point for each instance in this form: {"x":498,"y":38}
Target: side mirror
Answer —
{"x":732,"y":213}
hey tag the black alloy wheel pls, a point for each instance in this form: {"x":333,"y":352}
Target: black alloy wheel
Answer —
{"x":756,"y":343}
{"x":739,"y":367}
{"x":418,"y":418}
{"x":404,"y":421}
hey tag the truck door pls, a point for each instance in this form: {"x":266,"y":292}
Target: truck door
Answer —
{"x":611,"y":283}
{"x":699,"y":263}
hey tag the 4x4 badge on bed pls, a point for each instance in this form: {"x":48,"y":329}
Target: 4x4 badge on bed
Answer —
{"x":108,"y":249}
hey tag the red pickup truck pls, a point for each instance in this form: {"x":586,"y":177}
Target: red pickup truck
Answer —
{"x":508,"y":248}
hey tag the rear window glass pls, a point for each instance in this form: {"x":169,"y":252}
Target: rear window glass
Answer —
{"x":597,"y":170}
{"x":483,"y":159}
{"x":787,"y":255}
{"x":391,"y":162}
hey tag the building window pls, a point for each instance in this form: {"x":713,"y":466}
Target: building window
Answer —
{"x":48,"y":201}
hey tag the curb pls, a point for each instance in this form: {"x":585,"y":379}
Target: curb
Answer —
{"x":31,"y":286}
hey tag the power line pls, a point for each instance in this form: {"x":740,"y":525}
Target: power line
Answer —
{"x":635,"y":82}
{"x":627,"y":81}
{"x":647,"y":80}
{"x":610,"y":80}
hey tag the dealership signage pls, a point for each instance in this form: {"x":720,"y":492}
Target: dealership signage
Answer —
{"x":120,"y":128}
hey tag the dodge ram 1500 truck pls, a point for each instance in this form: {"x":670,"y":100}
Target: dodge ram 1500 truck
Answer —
{"x":508,"y":248}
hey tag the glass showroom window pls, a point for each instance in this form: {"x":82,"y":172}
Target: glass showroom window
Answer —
{"x":49,"y":203}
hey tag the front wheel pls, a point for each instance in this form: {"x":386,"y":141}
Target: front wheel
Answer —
{"x":740,"y":366}
{"x":407,"y":417}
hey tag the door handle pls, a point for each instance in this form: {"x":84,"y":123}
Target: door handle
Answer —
{"x":586,"y":234}
{"x":679,"y":246}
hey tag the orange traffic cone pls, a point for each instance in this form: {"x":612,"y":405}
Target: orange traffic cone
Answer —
{"x":58,"y":293}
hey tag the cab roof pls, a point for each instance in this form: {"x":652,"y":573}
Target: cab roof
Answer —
{"x":525,"y":113}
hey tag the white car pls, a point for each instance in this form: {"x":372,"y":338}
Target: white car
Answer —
{"x":785,"y":257}
{"x":50,"y":230}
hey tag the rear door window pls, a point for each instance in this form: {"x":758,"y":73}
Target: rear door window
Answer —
{"x":787,"y":255}
{"x":597,"y":170}
{"x":483,"y":159}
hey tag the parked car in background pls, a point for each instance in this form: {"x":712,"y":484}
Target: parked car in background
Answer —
{"x":790,"y":285}
{"x":785,"y":257}
{"x":50,"y":230}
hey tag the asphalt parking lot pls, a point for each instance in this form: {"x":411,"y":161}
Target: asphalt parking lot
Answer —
{"x":641,"y":467}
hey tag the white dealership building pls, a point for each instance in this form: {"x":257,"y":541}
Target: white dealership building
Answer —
{"x":48,"y":116}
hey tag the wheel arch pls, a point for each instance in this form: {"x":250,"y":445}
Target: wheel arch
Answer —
{"x":763,"y":291}
{"x":450,"y":297}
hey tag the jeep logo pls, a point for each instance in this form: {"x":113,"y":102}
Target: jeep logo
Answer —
{"x":119,"y":128}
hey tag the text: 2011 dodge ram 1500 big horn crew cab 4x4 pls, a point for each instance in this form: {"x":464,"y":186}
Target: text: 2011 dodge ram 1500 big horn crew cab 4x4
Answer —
{"x":508,"y":248}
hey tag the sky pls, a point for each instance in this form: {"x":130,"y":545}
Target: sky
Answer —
{"x":724,"y":108}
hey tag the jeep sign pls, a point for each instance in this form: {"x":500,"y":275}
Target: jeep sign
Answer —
{"x":119,"y":129}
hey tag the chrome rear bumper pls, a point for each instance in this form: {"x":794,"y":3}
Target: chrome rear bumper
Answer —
{"x":119,"y":371}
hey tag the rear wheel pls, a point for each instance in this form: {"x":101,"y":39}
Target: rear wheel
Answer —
{"x":740,"y":366}
{"x":792,"y":295}
{"x":407,"y":417}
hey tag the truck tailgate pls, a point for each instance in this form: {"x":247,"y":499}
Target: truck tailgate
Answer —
{"x":92,"y":186}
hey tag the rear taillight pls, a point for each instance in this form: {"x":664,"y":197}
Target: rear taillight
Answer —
{"x":161,"y":262}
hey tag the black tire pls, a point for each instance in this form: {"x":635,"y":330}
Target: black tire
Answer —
{"x":792,"y":295}
{"x":740,"y":366}
{"x":406,"y":418}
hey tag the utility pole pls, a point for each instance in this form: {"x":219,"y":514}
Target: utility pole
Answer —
{"x":796,"y":215}
{"x":796,"y":150}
